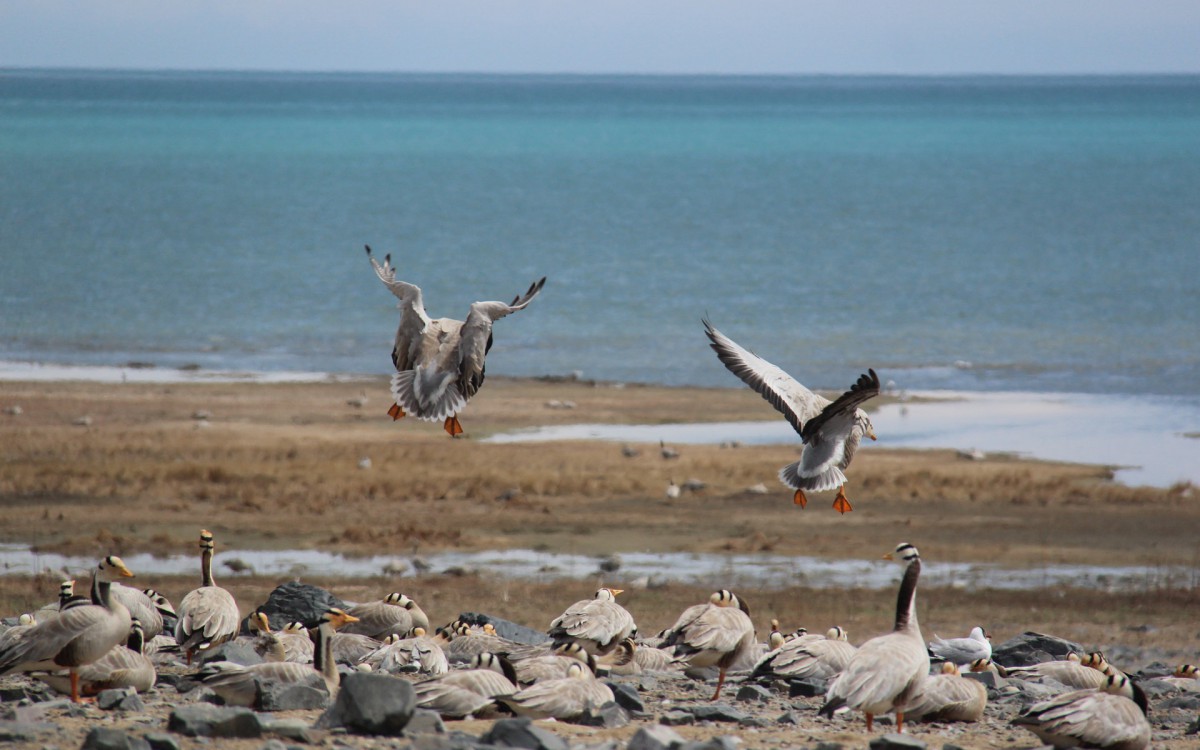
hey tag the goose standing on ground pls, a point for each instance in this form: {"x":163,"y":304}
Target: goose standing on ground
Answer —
{"x":949,"y":696}
{"x":1112,"y":718}
{"x":565,"y":698}
{"x":208,"y":616}
{"x":468,"y":691}
{"x":887,"y":672}
{"x":440,"y":363}
{"x":716,"y":634}
{"x":962,"y":651}
{"x":598,"y":624}
{"x":123,"y":666}
{"x":77,"y":636}
{"x":237,"y":684}
{"x":831,"y":431}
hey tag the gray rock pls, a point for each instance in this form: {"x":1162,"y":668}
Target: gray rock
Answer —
{"x":522,"y":733}
{"x":753,"y":694}
{"x":1033,"y":648}
{"x":725,"y":742}
{"x":295,"y":602}
{"x":289,"y":729}
{"x":505,"y":628}
{"x":676,"y":717}
{"x":1188,"y":701}
{"x":1157,"y":688}
{"x":788,"y":717}
{"x":718,"y":712}
{"x":424,"y":721}
{"x":657,"y":737}
{"x":990,"y":680}
{"x":279,"y":696}
{"x":609,"y":716}
{"x":273,"y":744}
{"x":896,"y":741}
{"x":627,"y":697}
{"x":827,"y":745}
{"x":161,"y":741}
{"x":810,"y":687}
{"x":107,"y":738}
{"x":24,"y":731}
{"x":203,"y":720}
{"x":238,"y":653}
{"x":371,"y":704}
{"x":120,"y":699}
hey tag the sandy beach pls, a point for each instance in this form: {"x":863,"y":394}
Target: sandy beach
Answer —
{"x":98,"y":468}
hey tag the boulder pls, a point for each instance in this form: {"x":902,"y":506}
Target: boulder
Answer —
{"x":717,"y":712}
{"x":203,"y":720}
{"x":505,"y":629}
{"x":627,"y":697}
{"x":280,"y":696}
{"x":522,"y":733}
{"x":161,"y":741}
{"x":896,"y":741}
{"x":120,"y":699}
{"x":371,"y":704}
{"x":657,"y":737}
{"x":107,"y":738}
{"x":295,"y":602}
{"x":753,"y":694}
{"x":608,"y":716}
{"x":1033,"y":648}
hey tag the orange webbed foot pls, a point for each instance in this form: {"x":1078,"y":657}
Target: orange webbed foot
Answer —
{"x":395,"y":412}
{"x":452,"y":426}
{"x":800,"y":499}
{"x":840,"y":503}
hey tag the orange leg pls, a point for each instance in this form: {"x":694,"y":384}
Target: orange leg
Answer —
{"x":395,"y":412}
{"x":800,"y":499}
{"x":840,"y":503}
{"x":870,"y":723}
{"x":720,"y":683}
{"x":900,"y":721}
{"x":74,"y":685}
{"x":452,"y":426}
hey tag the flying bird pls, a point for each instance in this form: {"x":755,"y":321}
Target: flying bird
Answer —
{"x":831,"y":430}
{"x":440,"y":362}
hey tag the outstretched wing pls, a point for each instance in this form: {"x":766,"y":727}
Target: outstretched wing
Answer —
{"x":838,"y":417}
{"x":785,"y":393}
{"x":477,"y":335}
{"x":413,"y":319}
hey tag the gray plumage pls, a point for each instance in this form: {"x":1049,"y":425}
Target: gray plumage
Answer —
{"x":962,"y":651}
{"x":597,"y":624}
{"x":208,"y":616}
{"x":831,"y":430}
{"x":1112,"y":719}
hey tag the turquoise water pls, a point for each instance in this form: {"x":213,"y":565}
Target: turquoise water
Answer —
{"x":1032,"y":234}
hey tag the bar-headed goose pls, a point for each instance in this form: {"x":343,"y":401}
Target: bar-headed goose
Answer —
{"x":887,"y":672}
{"x":830,"y":430}
{"x":807,"y":656}
{"x":538,"y":667}
{"x":123,"y":666}
{"x":1112,"y":718}
{"x":237,"y":684}
{"x":208,"y":616}
{"x":1090,"y":672}
{"x":716,"y":634}
{"x":564,"y":698}
{"x":468,"y":691}
{"x":949,"y":696}
{"x":440,"y":362}
{"x":597,"y":624}
{"x":395,"y":614}
{"x":76,"y":636}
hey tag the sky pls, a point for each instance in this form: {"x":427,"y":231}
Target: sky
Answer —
{"x":906,"y":37}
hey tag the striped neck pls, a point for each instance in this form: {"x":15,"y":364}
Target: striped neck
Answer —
{"x":323,"y":658}
{"x":101,"y":591}
{"x":206,"y":556}
{"x":906,"y":600}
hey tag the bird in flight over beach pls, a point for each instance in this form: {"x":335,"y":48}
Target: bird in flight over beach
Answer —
{"x":831,"y":430}
{"x":439,"y":362}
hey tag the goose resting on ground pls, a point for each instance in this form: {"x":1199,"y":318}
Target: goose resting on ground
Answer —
{"x":597,"y":624}
{"x":440,"y":362}
{"x":1112,"y":717}
{"x":887,"y":673}
{"x":831,"y":430}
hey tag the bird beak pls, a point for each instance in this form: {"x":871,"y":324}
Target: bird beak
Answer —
{"x":125,"y":572}
{"x":617,"y":591}
{"x":888,"y":556}
{"x":871,"y":434}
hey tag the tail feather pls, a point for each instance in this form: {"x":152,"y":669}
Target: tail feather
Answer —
{"x":830,"y":479}
{"x":427,"y":394}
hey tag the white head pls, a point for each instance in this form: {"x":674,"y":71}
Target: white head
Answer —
{"x":904,"y":553}
{"x":979,"y":634}
{"x":836,"y":633}
{"x":607,"y":594}
{"x":862,"y":424}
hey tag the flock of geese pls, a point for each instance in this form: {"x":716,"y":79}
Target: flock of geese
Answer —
{"x":117,"y":636}
{"x":440,"y":365}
